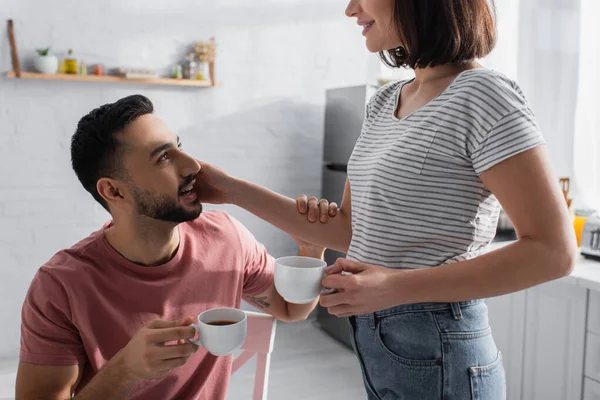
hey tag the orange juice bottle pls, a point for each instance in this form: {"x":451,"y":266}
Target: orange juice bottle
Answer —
{"x":579,"y":222}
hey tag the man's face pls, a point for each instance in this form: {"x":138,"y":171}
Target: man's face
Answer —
{"x":160,"y":174}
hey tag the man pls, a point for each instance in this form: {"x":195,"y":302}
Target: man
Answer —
{"x":108,"y":318}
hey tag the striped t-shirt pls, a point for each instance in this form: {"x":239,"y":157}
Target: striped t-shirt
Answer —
{"x":417,"y":200}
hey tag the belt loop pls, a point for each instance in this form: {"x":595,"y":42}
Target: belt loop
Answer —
{"x":372,"y":317}
{"x":456,"y":310}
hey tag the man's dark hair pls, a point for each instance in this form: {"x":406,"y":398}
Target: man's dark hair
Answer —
{"x":96,"y":151}
{"x":438,"y":32}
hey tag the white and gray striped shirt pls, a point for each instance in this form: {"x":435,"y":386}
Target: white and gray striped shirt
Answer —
{"x":417,"y":200}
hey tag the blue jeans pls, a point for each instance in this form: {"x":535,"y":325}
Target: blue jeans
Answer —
{"x":429,"y":351}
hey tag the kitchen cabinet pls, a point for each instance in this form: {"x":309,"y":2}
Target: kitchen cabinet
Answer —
{"x":591,"y":390}
{"x":555,"y":330}
{"x":542,"y":333}
{"x":507,"y":318}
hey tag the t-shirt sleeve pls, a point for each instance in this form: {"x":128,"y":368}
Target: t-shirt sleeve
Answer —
{"x":514,"y":133}
{"x":48,"y":335}
{"x":259,"y":266}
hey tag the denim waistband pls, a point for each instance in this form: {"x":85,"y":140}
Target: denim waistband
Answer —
{"x":420,"y":307}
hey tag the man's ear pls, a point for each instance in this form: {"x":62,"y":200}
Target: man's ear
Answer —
{"x":114,"y":192}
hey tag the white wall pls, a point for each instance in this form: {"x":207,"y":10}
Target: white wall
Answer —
{"x":275,"y":59}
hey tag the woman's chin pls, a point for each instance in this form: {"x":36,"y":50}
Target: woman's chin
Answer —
{"x":374,"y":47}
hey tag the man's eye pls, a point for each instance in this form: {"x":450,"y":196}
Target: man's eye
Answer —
{"x":164,"y":157}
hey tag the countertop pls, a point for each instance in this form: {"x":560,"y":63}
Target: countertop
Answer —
{"x":586,"y":273}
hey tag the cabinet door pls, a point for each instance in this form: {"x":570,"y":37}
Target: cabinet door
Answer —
{"x":554,"y":342}
{"x":507,"y":319}
{"x":591,"y":390}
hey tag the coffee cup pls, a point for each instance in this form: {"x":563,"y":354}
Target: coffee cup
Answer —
{"x":221,"y":331}
{"x":298,"y":279}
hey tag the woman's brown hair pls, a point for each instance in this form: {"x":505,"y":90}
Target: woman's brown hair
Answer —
{"x":438,"y":32}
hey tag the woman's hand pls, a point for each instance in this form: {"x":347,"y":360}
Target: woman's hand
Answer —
{"x":359,"y":288}
{"x":316,"y":210}
{"x":213,"y":185}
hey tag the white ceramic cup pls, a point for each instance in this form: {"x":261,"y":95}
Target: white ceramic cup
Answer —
{"x":298,"y":279}
{"x":221,"y":340}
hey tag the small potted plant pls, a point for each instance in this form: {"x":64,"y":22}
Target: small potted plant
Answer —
{"x":44,"y":62}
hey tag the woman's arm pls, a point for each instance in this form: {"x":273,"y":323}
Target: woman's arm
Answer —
{"x":545,"y":250}
{"x":215,"y":186}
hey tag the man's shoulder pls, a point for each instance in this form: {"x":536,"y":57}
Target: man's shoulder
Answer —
{"x":76,"y":259}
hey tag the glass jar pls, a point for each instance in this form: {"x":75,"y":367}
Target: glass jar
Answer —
{"x":203,"y":71}
{"x":190,"y":67}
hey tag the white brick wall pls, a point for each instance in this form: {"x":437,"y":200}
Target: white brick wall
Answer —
{"x":264,"y":123}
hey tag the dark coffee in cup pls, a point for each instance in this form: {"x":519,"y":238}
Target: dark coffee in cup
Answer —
{"x":221,"y":323}
{"x":221,"y":331}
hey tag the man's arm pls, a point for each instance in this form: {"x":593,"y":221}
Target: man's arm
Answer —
{"x":271,"y":302}
{"x":47,"y":382}
{"x":144,"y":357}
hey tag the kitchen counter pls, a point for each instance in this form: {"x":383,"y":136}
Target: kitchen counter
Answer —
{"x":586,"y":273}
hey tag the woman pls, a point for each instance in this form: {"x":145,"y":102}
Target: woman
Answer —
{"x":436,"y":158}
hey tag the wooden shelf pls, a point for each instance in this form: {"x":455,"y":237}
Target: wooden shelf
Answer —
{"x":107,"y":78}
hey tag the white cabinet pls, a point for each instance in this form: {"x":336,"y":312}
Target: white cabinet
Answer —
{"x":507,"y":319}
{"x":555,"y":326}
{"x":591,"y":390}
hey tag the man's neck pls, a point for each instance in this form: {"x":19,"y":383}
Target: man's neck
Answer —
{"x":145,"y":241}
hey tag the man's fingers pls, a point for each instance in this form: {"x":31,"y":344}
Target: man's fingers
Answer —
{"x":167,"y":365}
{"x":175,"y":351}
{"x":186,"y":321}
{"x":169,"y":334}
{"x":161,"y":324}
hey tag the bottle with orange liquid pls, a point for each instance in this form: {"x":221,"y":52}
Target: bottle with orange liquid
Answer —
{"x":579,"y":221}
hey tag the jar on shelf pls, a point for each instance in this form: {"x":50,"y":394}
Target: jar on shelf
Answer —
{"x":203,"y":73}
{"x":70,"y":63}
{"x":190,"y":67}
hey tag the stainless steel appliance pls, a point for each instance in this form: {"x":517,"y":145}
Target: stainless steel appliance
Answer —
{"x":344,"y":115}
{"x":505,"y":230}
{"x":590,"y":237}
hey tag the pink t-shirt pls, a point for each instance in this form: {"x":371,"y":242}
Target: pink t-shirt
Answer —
{"x":87,"y":302}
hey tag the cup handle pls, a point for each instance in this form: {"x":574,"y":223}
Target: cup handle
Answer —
{"x":197,"y":342}
{"x":330,"y":290}
{"x":327,"y":290}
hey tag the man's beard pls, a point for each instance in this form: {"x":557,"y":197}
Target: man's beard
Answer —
{"x":162,"y":207}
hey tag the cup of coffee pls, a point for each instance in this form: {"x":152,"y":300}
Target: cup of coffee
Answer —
{"x":298,"y":279}
{"x":221,"y":331}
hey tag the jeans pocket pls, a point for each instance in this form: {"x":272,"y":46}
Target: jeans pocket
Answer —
{"x":488,"y":382}
{"x":410,"y":339}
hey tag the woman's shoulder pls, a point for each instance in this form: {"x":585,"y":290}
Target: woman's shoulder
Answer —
{"x":388,"y":90}
{"x":488,"y":85}
{"x":384,"y":94}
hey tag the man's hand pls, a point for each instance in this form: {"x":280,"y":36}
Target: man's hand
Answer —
{"x":359,"y":288}
{"x":315,"y":209}
{"x":147,"y":356}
